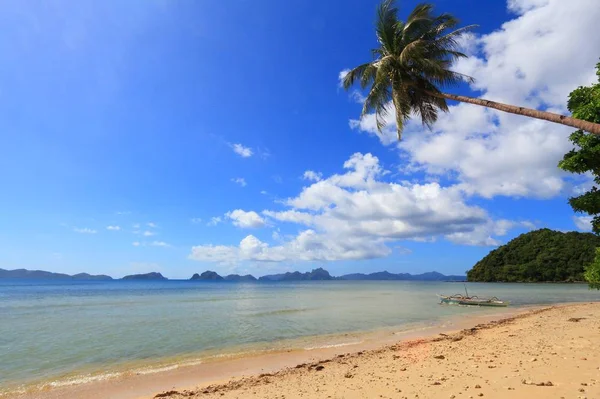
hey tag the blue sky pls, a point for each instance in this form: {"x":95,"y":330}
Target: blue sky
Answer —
{"x":187,"y":127}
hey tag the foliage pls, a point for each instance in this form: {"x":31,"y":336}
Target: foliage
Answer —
{"x":410,"y":65}
{"x":584,"y":103}
{"x":540,"y":255}
{"x":592,"y":272}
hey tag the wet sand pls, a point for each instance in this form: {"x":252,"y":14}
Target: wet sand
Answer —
{"x":546,"y":352}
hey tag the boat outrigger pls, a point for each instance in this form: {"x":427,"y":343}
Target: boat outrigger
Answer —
{"x":459,"y":299}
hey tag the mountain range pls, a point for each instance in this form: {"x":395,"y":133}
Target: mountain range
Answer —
{"x":318,"y":274}
{"x":40,"y":274}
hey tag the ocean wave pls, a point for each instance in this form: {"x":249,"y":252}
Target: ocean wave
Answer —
{"x":310,"y":348}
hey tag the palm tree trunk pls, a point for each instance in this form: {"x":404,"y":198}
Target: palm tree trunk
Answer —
{"x":533,"y":113}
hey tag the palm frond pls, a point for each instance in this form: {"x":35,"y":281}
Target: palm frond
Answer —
{"x":412,"y":63}
{"x":354,"y":75}
{"x":386,"y":23}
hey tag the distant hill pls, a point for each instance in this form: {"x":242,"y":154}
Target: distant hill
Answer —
{"x":237,"y":277}
{"x":145,"y":276}
{"x":541,"y":255}
{"x":207,"y":276}
{"x":40,"y":274}
{"x":387,"y":276}
{"x":85,"y":276}
{"x":316,"y":274}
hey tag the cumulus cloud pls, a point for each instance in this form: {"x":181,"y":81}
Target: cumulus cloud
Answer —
{"x":529,"y":61}
{"x":148,"y":233}
{"x":355,"y":215}
{"x":136,"y":243}
{"x":151,"y":225}
{"x":215,"y":220}
{"x":113,"y":228}
{"x":159,"y":244}
{"x":312,"y":175}
{"x":583,"y":223}
{"x":239,"y":180}
{"x":244,"y":152}
{"x":196,"y":220}
{"x":245,"y":219}
{"x":84,"y":230}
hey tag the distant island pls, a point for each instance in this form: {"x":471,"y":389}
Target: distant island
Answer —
{"x":237,"y":277}
{"x":318,"y":274}
{"x":321,"y":274}
{"x":387,"y":276}
{"x":214,"y":276}
{"x":315,"y":275}
{"x":538,"y":256}
{"x":145,"y":276}
{"x":40,"y":274}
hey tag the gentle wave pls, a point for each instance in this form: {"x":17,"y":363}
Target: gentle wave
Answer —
{"x":310,"y":348}
{"x":279,"y":312}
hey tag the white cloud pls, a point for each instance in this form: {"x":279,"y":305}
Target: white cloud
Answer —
{"x":196,"y":220}
{"x":483,"y":234}
{"x":244,"y":152}
{"x":84,"y":230}
{"x":307,"y":246}
{"x":113,"y":228}
{"x":148,"y":233}
{"x":402,"y":250}
{"x":215,"y":220}
{"x":529,"y":61}
{"x":151,"y":225}
{"x":136,"y":226}
{"x":245,"y":219}
{"x":583,"y":223}
{"x":136,"y":244}
{"x":159,"y":244}
{"x":312,"y":176}
{"x":291,"y":216}
{"x":263,"y":192}
{"x":239,"y":180}
{"x":355,"y":215}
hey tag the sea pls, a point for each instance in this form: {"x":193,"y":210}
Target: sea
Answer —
{"x":55,"y":332}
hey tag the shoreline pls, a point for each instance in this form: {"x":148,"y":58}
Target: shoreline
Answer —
{"x":133,"y":383}
{"x":544,"y":352}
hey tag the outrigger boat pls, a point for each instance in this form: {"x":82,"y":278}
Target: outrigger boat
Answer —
{"x":459,"y":299}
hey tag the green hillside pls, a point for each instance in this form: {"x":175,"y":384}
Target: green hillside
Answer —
{"x":540,"y":255}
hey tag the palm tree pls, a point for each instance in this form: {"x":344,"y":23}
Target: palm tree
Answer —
{"x":412,"y":65}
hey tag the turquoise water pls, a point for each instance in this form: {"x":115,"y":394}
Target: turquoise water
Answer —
{"x":54,"y":329}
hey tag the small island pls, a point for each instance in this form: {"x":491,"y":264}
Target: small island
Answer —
{"x":319,"y":274}
{"x":44,"y":275}
{"x":237,"y":277}
{"x":145,"y":276}
{"x":207,"y":276}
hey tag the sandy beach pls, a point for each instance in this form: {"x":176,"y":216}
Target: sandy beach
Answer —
{"x":548,"y":352}
{"x":545,"y":353}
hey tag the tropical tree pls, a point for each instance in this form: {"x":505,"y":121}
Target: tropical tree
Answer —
{"x":584,"y":103}
{"x":592,"y":272}
{"x":412,"y":65}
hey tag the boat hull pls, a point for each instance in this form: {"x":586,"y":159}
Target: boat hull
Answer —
{"x":468,"y":302}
